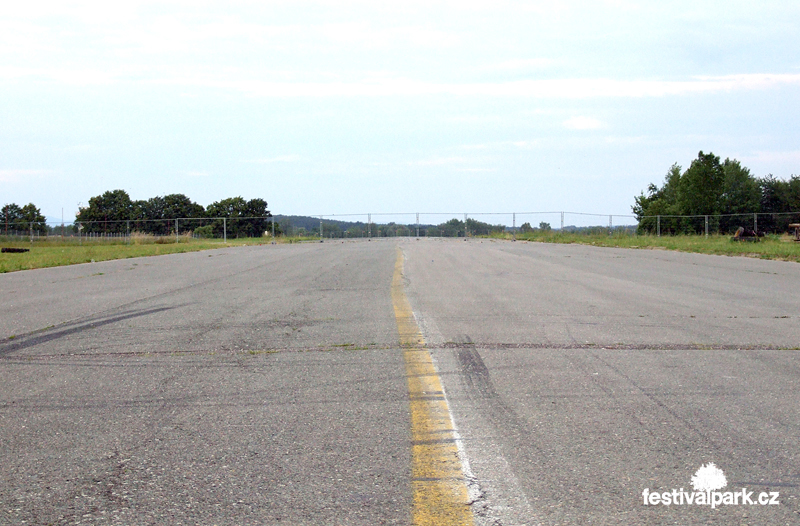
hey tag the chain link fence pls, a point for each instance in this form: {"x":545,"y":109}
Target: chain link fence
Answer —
{"x":439,"y":224}
{"x":378,"y":225}
{"x":768,"y":223}
{"x":154,"y":230}
{"x":442,"y":224}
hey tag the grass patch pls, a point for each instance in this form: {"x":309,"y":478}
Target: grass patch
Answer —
{"x":53,"y":252}
{"x":770,"y":247}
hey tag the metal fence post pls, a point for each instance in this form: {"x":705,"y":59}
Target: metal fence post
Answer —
{"x":610,"y":227}
{"x":320,"y":229}
{"x":417,"y":224}
{"x":224,"y":230}
{"x":706,"y":226}
{"x":658,"y":222}
{"x":513,"y":226}
{"x":562,"y":221}
{"x":466,"y":230}
{"x":755,"y":223}
{"x":177,"y":239}
{"x":369,"y":226}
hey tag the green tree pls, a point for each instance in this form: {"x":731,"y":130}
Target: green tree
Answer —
{"x":107,"y":213}
{"x":480,"y":228}
{"x":728,"y":192}
{"x":777,"y":199}
{"x":702,"y":186}
{"x":32,"y":219}
{"x":160,"y":214}
{"x":330,"y":230}
{"x":22,"y":219}
{"x":793,"y":197}
{"x":244,"y":218}
{"x":664,"y":201}
{"x":10,"y":215}
{"x":741,"y":194}
{"x":387,"y":230}
{"x":452,"y":228}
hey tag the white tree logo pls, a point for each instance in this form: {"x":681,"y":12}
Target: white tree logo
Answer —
{"x":709,"y":478}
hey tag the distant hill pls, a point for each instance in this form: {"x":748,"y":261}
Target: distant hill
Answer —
{"x":312,"y":223}
{"x":291,"y":223}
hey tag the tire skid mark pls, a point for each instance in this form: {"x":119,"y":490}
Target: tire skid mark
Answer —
{"x":118,"y":312}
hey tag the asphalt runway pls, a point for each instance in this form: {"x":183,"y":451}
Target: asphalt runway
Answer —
{"x":267,"y":384}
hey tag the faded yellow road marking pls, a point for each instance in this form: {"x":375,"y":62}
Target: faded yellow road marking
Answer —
{"x":437,"y":480}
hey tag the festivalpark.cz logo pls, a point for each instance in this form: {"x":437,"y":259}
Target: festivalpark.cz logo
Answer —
{"x":707,"y":482}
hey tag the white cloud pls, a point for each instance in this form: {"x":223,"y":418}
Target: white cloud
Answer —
{"x":778,"y":157}
{"x":582,"y":123}
{"x":381,"y":37}
{"x":482,"y":146}
{"x":474,"y":119}
{"x":278,"y":159}
{"x":78,"y":148}
{"x":632,"y":140}
{"x":250,"y":47}
{"x":520,"y":64}
{"x":438,"y":161}
{"x":13,"y":176}
{"x":527,"y":145}
{"x":240,"y":81}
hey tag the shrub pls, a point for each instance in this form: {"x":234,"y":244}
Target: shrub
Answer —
{"x":204,"y":232}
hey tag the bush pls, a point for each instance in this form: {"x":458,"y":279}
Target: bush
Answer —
{"x":204,"y":232}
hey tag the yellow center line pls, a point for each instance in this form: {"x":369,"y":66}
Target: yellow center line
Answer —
{"x":437,"y":479}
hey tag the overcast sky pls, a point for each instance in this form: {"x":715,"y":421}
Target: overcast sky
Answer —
{"x":415,"y":106}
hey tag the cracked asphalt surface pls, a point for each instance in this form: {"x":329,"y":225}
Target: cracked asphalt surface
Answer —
{"x":264,"y":385}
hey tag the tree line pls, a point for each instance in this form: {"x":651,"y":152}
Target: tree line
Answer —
{"x":725,"y":191}
{"x":114,"y":212}
{"x":309,"y":226}
{"x":22,"y":218}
